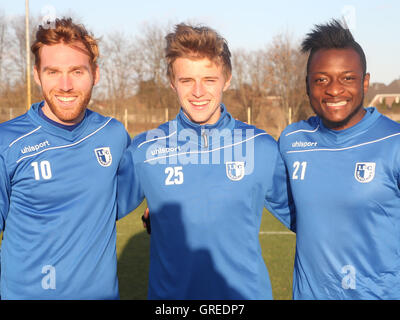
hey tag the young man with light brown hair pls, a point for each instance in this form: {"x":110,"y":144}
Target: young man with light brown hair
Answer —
{"x":206,"y":178}
{"x":58,"y":165}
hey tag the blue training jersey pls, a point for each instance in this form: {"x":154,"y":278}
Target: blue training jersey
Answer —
{"x":345,"y":186}
{"x":206,"y":186}
{"x":58,"y":207}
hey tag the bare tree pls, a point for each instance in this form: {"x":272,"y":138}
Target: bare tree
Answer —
{"x":18,"y":45}
{"x":13,"y":64}
{"x":151,"y":47}
{"x":119,"y":69}
{"x":155,"y":91}
{"x":249,"y":79}
{"x":3,"y":41}
{"x":286,"y":67}
{"x":151,"y":44}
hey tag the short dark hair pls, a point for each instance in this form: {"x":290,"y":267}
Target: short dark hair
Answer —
{"x":332,"y":35}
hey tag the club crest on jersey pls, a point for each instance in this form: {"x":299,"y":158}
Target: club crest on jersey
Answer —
{"x":235,"y":170}
{"x":103,"y":156}
{"x":364,"y":172}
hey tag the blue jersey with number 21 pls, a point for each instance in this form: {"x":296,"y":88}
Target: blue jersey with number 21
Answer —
{"x":345,"y":185}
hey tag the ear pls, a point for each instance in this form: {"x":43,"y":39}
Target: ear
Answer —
{"x":307,"y":87}
{"x":96,"y":76}
{"x":171,"y":84}
{"x":366,"y":82}
{"x":36,"y":76}
{"x":227,"y":83}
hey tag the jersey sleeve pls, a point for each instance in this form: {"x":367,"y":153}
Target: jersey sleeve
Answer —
{"x":129,"y":191}
{"x":4,"y":193}
{"x":4,"y":198}
{"x":279,"y":200}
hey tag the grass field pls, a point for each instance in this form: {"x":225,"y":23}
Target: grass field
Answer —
{"x":133,"y":245}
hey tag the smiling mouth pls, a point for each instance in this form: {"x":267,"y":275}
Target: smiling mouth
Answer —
{"x":66,"y":99}
{"x":200,"y":103}
{"x":336,"y":104}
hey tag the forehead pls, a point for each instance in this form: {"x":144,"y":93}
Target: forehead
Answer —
{"x":191,"y":67}
{"x":335,"y":60}
{"x":63,"y":55}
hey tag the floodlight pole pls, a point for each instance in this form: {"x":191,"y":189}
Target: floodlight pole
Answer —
{"x":28,"y":58}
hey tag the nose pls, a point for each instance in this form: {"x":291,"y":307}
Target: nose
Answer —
{"x":334,"y":88}
{"x":198,"y":89}
{"x":65,"y":83}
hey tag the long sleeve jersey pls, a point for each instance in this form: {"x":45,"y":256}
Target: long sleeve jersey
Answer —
{"x":58,"y":207}
{"x":345,"y":186}
{"x":206,"y":186}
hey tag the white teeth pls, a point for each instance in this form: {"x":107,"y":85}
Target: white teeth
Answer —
{"x":200,"y":103}
{"x":66,"y":99}
{"x":336,"y":104}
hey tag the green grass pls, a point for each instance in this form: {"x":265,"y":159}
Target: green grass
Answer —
{"x":278,"y":252}
{"x":133,"y":250}
{"x":133,"y":244}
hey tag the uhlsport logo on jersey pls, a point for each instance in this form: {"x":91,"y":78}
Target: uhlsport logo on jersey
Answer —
{"x":364,"y":172}
{"x":103,"y":156}
{"x":235,"y":170}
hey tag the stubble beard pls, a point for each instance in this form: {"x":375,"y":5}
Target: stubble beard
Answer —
{"x":72,"y":115}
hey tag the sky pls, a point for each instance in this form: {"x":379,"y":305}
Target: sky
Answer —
{"x":247,"y":24}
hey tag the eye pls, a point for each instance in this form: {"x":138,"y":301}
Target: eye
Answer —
{"x":185,"y":81}
{"x":51,"y":72}
{"x":320,"y":80}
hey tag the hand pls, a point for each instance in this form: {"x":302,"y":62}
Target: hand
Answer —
{"x":146,"y":220}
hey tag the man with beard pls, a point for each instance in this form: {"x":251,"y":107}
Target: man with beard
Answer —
{"x":344,"y":170}
{"x":58,"y":165}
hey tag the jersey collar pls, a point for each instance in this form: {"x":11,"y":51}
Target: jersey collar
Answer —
{"x":225,"y":121}
{"x":33,"y":112}
{"x":369,"y":118}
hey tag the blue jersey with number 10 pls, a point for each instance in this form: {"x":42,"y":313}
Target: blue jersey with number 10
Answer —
{"x":345,"y":186}
{"x":58,"y":207}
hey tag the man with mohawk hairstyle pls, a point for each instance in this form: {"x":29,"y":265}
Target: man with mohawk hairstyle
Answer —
{"x":344,"y":170}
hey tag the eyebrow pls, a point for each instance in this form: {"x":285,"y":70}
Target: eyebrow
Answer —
{"x":72,"y":68}
{"x":322,"y":72}
{"x":189,"y":78}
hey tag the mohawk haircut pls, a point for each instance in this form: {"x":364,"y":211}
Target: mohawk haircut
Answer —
{"x":332,"y":35}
